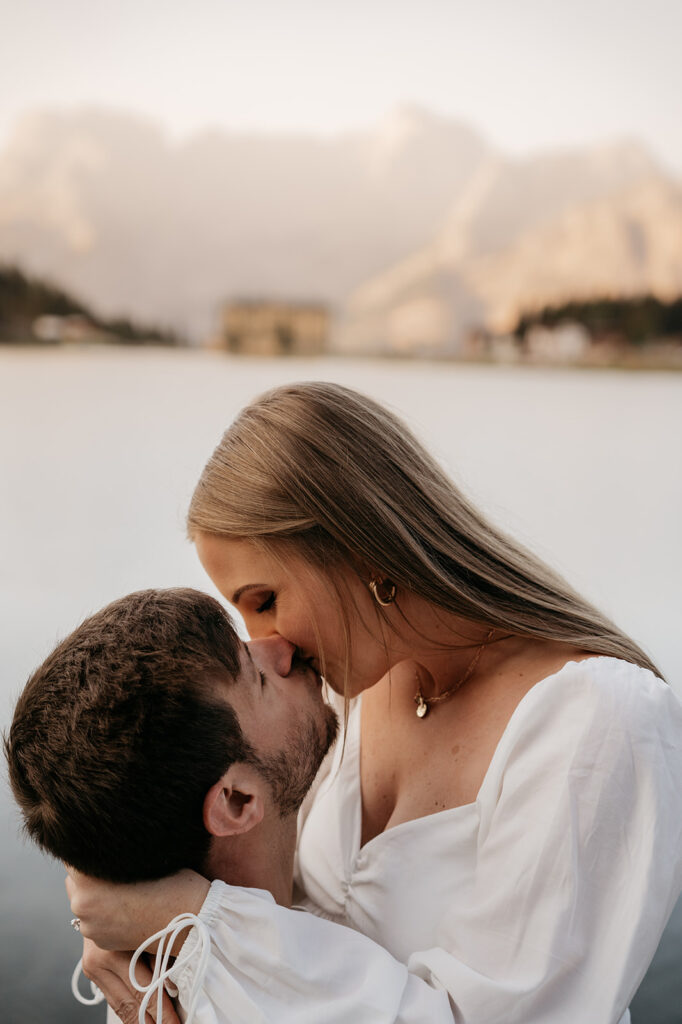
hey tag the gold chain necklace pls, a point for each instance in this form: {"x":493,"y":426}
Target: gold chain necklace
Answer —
{"x":424,"y":703}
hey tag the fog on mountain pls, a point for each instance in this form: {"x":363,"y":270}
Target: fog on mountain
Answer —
{"x":419,"y":228}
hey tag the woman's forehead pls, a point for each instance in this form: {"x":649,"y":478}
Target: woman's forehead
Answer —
{"x":229,"y":553}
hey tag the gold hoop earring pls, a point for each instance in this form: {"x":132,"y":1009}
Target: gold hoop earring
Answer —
{"x":384,"y":599}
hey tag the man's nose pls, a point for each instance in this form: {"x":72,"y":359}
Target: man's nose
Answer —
{"x":273,"y":653}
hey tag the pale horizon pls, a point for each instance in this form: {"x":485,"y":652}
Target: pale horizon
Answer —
{"x":529,"y":77}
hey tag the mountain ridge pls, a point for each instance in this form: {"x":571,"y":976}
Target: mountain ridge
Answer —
{"x":144,"y":226}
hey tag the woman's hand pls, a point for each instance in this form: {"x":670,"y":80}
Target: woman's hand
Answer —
{"x":109,"y":971}
{"x":121,"y":917}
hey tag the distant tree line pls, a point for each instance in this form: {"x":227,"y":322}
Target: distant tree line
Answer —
{"x":24,"y":298}
{"x":635,"y":320}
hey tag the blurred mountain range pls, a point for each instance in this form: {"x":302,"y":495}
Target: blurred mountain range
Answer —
{"x":419,"y":229}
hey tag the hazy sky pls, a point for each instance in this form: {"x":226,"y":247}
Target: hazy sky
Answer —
{"x":528,"y":73}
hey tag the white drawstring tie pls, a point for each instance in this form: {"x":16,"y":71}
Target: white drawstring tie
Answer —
{"x":97,"y":996}
{"x":166,"y":939}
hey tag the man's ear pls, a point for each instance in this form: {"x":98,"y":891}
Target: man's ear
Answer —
{"x":234,"y":804}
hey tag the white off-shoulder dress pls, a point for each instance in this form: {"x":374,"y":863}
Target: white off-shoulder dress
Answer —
{"x":540,"y":903}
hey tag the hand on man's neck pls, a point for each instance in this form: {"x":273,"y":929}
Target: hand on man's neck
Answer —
{"x":262,"y":858}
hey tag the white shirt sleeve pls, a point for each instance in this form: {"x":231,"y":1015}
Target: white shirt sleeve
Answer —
{"x":270,"y":964}
{"x":577,"y":869}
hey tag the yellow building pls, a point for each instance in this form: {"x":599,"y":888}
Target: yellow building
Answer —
{"x":259,"y":328}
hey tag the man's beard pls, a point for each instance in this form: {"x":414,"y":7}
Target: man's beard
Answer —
{"x":291,"y":772}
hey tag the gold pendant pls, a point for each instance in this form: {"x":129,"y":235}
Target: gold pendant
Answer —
{"x":422,"y":706}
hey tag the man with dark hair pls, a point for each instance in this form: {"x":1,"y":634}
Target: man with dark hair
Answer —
{"x":152,"y":739}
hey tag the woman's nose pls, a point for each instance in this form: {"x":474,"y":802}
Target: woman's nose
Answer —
{"x":273,"y":653}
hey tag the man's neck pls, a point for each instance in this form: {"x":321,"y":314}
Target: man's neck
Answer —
{"x":260,"y":859}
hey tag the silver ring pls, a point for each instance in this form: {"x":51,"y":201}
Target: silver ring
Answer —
{"x":76,"y":923}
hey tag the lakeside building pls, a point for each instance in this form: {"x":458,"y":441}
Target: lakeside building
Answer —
{"x":271,"y":328}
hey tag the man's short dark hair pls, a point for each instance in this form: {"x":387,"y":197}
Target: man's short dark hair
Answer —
{"x":119,"y":735}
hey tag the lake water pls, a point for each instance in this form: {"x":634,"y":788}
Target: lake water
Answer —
{"x":99,"y":452}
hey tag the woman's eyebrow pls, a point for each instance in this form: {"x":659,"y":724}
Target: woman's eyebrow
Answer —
{"x":247,"y":586}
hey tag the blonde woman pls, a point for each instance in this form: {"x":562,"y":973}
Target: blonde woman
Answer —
{"x":501,"y":826}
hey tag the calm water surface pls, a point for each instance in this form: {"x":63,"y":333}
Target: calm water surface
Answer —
{"x":99,"y":451}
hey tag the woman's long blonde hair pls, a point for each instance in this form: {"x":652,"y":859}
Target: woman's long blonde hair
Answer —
{"x":343,"y":480}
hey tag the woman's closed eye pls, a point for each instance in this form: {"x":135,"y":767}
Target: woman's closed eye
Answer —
{"x":266,"y":605}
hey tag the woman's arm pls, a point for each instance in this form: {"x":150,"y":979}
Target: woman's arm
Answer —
{"x":119,"y":917}
{"x":268,"y":963}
